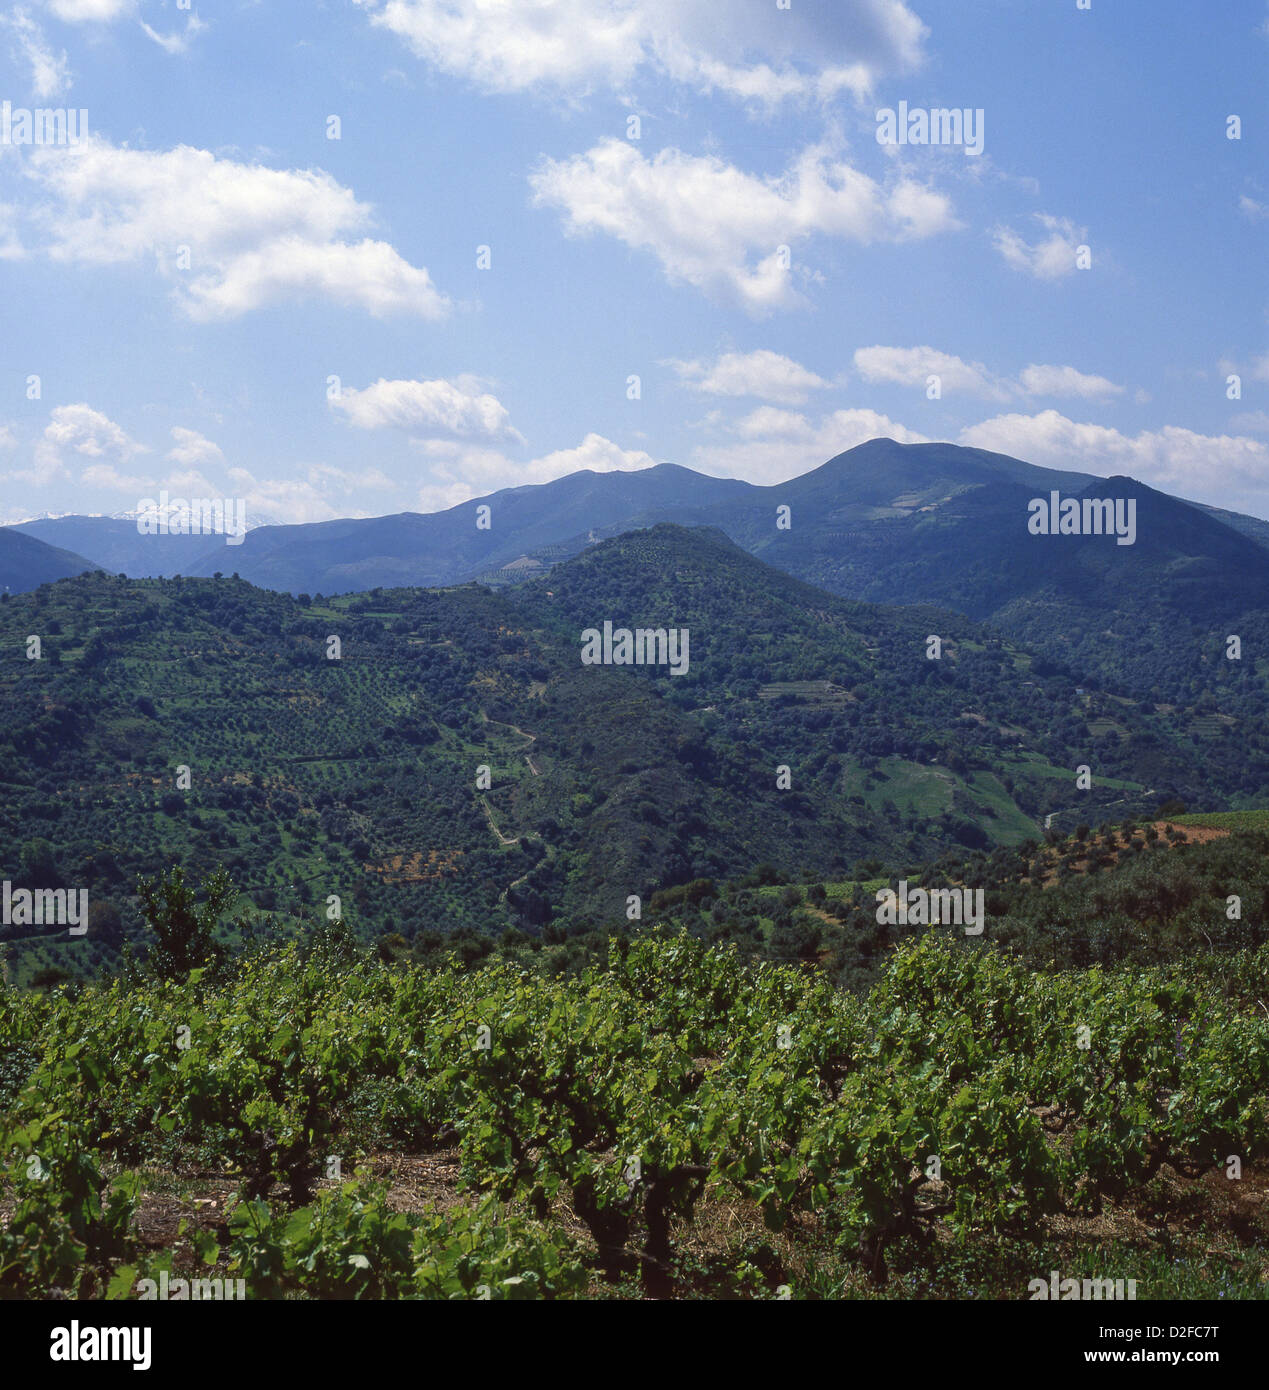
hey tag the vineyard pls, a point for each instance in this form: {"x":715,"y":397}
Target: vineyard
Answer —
{"x":965,"y":1107}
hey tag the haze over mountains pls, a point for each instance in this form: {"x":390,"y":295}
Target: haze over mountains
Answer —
{"x":877,"y":482}
{"x":887,"y":522}
{"x":27,"y":561}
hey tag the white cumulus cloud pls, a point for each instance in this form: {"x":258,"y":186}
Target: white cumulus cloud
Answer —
{"x":914,"y":366}
{"x":792,"y":445}
{"x":88,"y":431}
{"x":757,"y":52}
{"x":771,"y":422}
{"x":720,"y":229}
{"x":77,"y":429}
{"x":474,"y":472}
{"x":763,"y":374}
{"x":1049,"y":258}
{"x":191,"y":448}
{"x":255,"y":235}
{"x":108,"y":476}
{"x":456,"y":409}
{"x":1224,"y":470}
{"x":1066,"y":381}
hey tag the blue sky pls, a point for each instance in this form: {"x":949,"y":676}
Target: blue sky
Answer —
{"x":506,"y":124}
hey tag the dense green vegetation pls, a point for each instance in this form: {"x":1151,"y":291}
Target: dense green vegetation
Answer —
{"x":964,"y":1098}
{"x":1148,"y":620}
{"x":1119,"y":896}
{"x":971,"y":1115}
{"x":357,"y":779}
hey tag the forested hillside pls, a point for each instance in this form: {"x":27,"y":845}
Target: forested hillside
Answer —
{"x":358,"y":776}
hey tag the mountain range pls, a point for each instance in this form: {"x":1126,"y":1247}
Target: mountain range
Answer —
{"x":886,"y":522}
{"x":26,"y":561}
